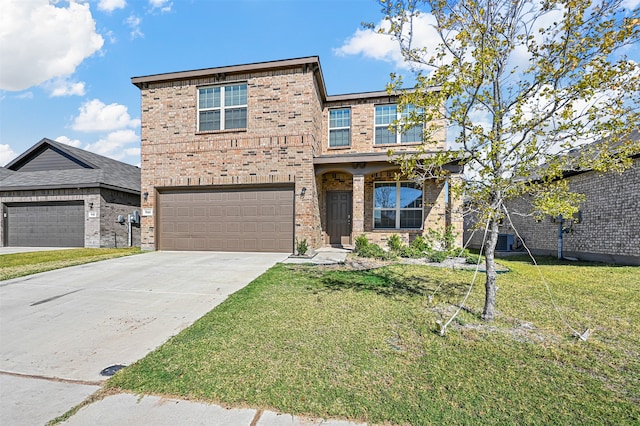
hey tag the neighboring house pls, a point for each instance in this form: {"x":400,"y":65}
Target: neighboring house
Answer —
{"x":55,"y":195}
{"x":607,"y":228}
{"x":5,"y":172}
{"x":254,"y":157}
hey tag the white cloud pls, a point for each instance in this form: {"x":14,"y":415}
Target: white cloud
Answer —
{"x":381,"y":46}
{"x":134,"y":23}
{"x":25,"y":95}
{"x":68,"y":141}
{"x":6,"y":154}
{"x":64,"y":87}
{"x":111,"y":5}
{"x":44,"y":41}
{"x":163,"y":5}
{"x":630,"y":4}
{"x":114,"y":145}
{"x":133,"y":151}
{"x":111,"y":37}
{"x":95,"y":116}
{"x":372,"y":44}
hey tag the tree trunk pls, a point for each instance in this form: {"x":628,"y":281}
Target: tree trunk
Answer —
{"x":490,"y":285}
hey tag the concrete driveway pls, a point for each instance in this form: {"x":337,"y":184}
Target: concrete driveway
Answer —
{"x":60,"y":329}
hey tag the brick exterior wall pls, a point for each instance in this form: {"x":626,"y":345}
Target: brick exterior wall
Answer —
{"x":112,"y":204}
{"x":278,"y":145}
{"x":362,"y":125}
{"x":434,"y":211}
{"x":287,"y":128}
{"x":610,"y":227}
{"x":99,"y":231}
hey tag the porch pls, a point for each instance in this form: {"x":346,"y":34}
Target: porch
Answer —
{"x":362,"y":194}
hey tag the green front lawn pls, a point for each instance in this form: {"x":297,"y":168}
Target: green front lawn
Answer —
{"x":334,"y":342}
{"x":22,"y":264}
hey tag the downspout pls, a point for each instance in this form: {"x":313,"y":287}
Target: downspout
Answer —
{"x":560,"y":232}
{"x":129,"y":240}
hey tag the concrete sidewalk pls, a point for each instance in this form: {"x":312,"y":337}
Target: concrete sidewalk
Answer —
{"x":127,"y":409}
{"x":60,"y":329}
{"x":152,"y":410}
{"x":321,"y":256}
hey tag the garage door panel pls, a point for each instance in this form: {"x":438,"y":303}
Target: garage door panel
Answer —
{"x":249,"y":227}
{"x":267,"y":227}
{"x":53,"y":224}
{"x":251,"y":219}
{"x":251,"y":211}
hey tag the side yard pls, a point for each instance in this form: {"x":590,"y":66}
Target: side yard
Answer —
{"x":341,"y":341}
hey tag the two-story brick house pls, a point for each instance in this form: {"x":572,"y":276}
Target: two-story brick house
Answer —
{"x":254,"y":157}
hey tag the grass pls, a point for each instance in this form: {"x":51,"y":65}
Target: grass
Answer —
{"x":22,"y":264}
{"x":332,"y":342}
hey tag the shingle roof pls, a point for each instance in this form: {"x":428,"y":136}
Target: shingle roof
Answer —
{"x":4,"y":173}
{"x":105,"y":172}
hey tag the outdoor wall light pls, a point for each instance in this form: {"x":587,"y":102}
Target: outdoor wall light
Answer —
{"x":146,"y":196}
{"x":303,"y":191}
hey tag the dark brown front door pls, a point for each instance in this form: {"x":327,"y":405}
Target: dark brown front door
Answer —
{"x":339,"y":217}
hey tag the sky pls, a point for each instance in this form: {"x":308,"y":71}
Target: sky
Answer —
{"x":66,"y":67}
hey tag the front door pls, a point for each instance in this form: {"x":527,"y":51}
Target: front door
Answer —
{"x":339,"y":217}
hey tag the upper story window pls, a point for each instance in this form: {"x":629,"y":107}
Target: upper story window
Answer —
{"x":387,"y":114}
{"x":397,"y":205}
{"x":222,"y":107}
{"x":339,"y":127}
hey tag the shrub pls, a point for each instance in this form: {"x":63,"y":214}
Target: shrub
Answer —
{"x":302,"y":246}
{"x":411,"y":252}
{"x":361,"y":243}
{"x":472,"y":258}
{"x":421,"y":245}
{"x":377,"y":252}
{"x":395,"y":243}
{"x":366,"y":249}
{"x":438,"y":256}
{"x":444,"y":239}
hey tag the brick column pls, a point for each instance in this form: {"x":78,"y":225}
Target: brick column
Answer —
{"x":357,"y":221}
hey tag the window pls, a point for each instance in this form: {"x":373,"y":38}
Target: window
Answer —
{"x":385,"y":115}
{"x":397,"y":205}
{"x":222,"y":107}
{"x":339,"y":127}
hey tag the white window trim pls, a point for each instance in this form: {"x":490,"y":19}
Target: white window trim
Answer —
{"x":397,"y":209}
{"x":222,"y":108}
{"x":338,"y":128}
{"x":399,"y":133}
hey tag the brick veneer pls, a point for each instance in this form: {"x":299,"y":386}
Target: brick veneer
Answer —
{"x":362,"y":123}
{"x":287,"y":127}
{"x":100,"y":231}
{"x":283,"y":129}
{"x":609,"y":230}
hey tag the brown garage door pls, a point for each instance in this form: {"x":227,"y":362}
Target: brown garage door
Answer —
{"x":54,"y":224}
{"x":248,"y":219}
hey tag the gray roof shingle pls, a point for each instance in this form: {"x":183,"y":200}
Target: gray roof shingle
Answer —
{"x":105,"y":172}
{"x":5,"y":173}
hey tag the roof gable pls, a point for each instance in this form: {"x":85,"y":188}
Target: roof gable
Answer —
{"x":47,"y":158}
{"x":51,"y":164}
{"x":48,"y":155}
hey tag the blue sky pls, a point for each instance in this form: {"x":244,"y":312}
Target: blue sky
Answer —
{"x":66,"y":67}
